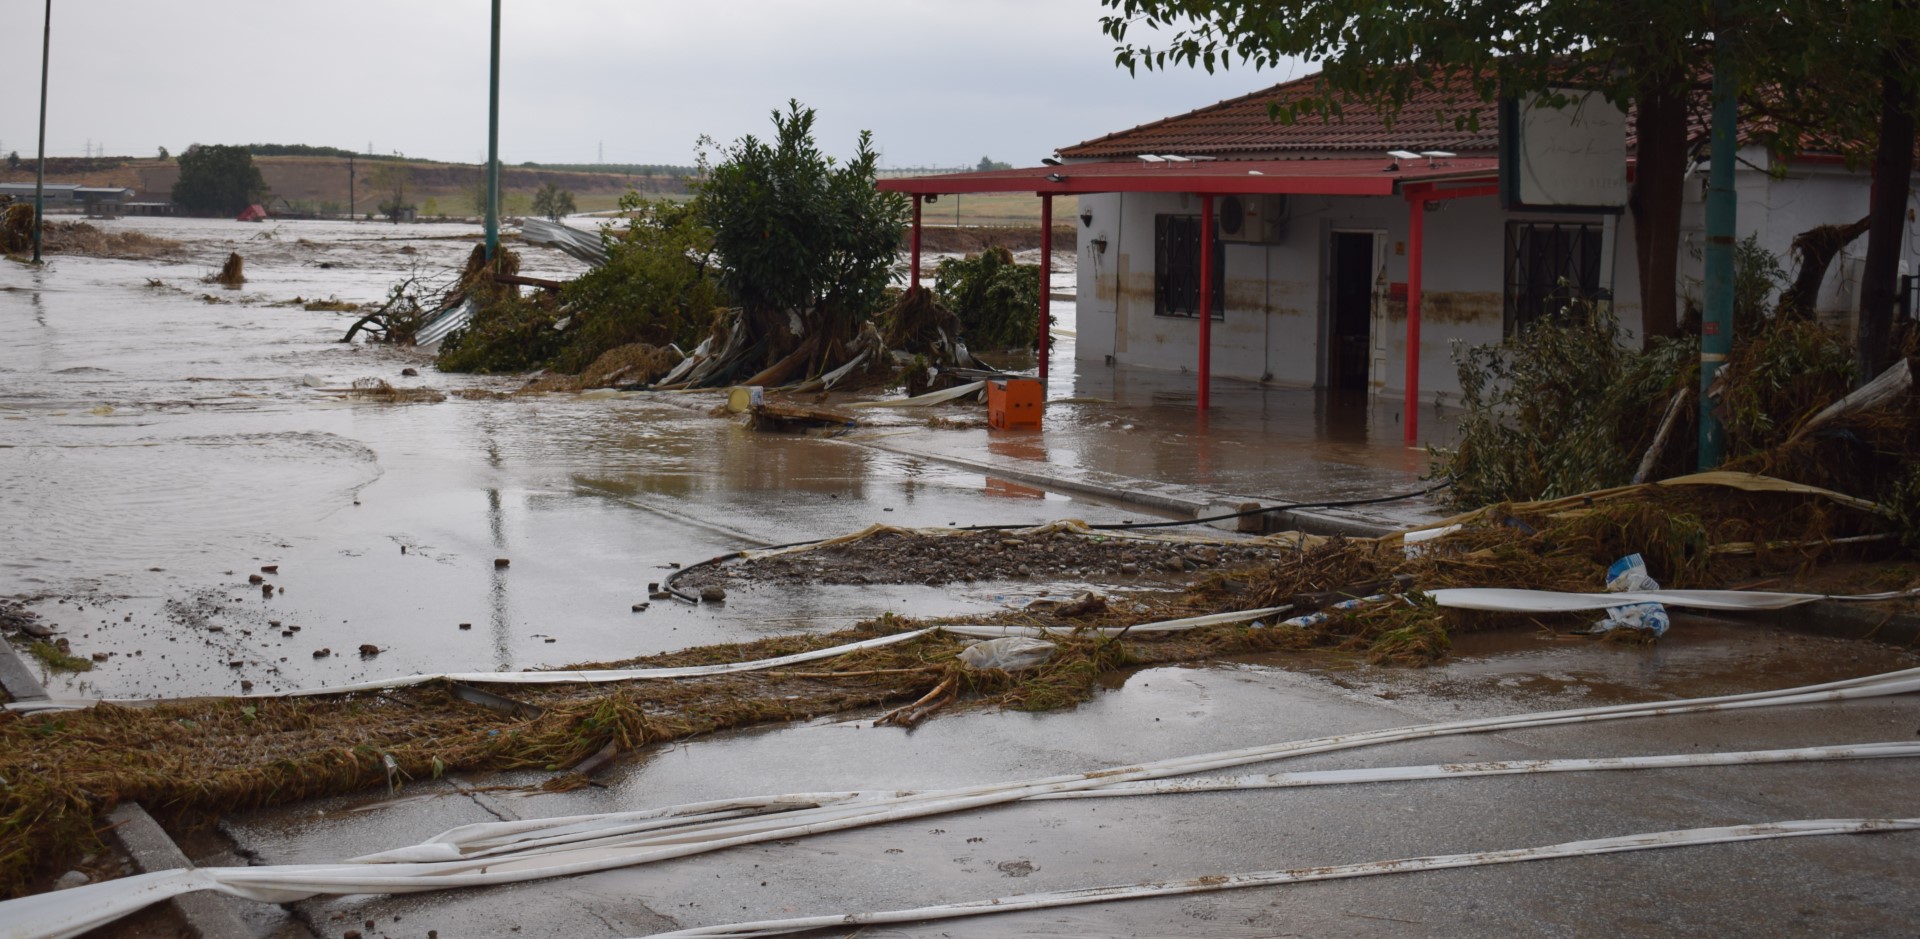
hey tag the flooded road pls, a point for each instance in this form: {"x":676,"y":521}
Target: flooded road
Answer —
{"x":158,"y":449}
{"x":1801,"y":886}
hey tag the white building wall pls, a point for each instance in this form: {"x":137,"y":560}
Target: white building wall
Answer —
{"x":1277,"y":300}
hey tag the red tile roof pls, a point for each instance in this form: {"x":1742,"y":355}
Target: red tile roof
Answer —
{"x":1368,"y":176}
{"x":1241,"y":127}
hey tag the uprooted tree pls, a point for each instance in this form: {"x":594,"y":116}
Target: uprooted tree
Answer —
{"x":804,"y":245}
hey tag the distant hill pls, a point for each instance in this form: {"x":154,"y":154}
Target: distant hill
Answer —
{"x":318,"y":182}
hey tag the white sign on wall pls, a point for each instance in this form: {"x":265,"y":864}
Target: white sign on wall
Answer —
{"x":1572,"y":158}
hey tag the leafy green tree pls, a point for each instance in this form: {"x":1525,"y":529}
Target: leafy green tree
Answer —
{"x":218,"y":180}
{"x":553,"y":202}
{"x":163,"y":154}
{"x":989,"y":163}
{"x":13,"y":160}
{"x":799,"y":234}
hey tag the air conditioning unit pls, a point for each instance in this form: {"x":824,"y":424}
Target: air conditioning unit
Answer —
{"x":1258,"y":220}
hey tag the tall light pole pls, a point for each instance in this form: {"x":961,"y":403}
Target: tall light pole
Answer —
{"x":1716,"y":323}
{"x":40,"y":173}
{"x":493,"y":142}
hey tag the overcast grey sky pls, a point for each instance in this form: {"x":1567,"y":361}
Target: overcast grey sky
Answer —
{"x":939,"y":82}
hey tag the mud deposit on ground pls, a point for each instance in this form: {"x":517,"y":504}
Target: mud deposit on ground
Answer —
{"x":967,"y":557}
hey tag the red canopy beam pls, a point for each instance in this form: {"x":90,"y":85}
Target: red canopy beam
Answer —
{"x":1045,"y":326}
{"x":1417,"y":199}
{"x":1206,"y":298}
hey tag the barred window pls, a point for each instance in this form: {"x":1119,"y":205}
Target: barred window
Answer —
{"x":1549,"y":266}
{"x":1176,"y":268}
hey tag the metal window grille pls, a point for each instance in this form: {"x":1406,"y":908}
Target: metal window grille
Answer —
{"x":1548,"y":267}
{"x":1176,"y":268}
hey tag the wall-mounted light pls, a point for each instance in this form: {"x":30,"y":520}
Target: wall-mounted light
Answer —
{"x":1056,"y":178}
{"x":930,"y":198}
{"x":1086,"y":217}
{"x":1100,"y":244}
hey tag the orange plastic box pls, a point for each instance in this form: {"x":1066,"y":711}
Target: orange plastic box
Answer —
{"x":1015,"y":402}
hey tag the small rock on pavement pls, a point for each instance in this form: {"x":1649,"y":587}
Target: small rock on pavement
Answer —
{"x":466,"y":625}
{"x":36,"y":629}
{"x":369,"y":650}
{"x":99,"y":656}
{"x":322,"y":653}
{"x":246,"y":685}
{"x":641,"y":607}
{"x":501,"y":562}
{"x":713,"y":594}
{"x":254,"y":578}
{"x":71,"y":879}
{"x":269,"y":568}
{"x":409,"y":373}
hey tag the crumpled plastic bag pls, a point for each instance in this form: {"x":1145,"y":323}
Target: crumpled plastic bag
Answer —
{"x":1007,"y":653}
{"x":1629,"y":574}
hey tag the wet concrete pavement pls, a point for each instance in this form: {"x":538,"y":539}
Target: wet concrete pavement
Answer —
{"x":1813,"y":886}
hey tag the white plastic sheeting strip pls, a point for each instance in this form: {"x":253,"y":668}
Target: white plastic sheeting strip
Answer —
{"x":1167,"y":626}
{"x":1510,"y":600}
{"x":513,"y":852}
{"x":593,"y":676}
{"x":579,"y":676}
{"x":929,"y":399}
{"x":1681,"y":838}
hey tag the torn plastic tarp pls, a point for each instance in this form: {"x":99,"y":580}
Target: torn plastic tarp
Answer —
{"x":1008,"y":653}
{"x":1629,"y":574}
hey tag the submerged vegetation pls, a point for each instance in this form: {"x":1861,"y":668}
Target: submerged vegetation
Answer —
{"x":782,"y":258}
{"x":1565,"y":407}
{"x":994,"y":298}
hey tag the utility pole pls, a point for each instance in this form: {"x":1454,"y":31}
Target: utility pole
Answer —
{"x":350,"y":171}
{"x":493,"y":142}
{"x":40,"y":174}
{"x":1716,"y":324}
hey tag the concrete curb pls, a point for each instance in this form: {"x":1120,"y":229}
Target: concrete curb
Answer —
{"x":1149,"y":496}
{"x":1840,"y":620}
{"x":142,"y":838}
{"x":208,"y":915}
{"x":16,"y":677}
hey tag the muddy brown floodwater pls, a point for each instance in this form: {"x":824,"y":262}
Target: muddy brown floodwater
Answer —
{"x":162,"y":440}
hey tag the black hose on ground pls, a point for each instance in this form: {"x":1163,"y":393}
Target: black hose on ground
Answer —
{"x":667,"y":584}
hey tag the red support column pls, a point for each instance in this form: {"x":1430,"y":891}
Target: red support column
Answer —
{"x":916,"y":239}
{"x":1045,"y":327}
{"x":1416,"y":241}
{"x":1206,"y":299}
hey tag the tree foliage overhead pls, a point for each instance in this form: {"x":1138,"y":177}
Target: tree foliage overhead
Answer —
{"x":217,"y":179}
{"x":1654,"y":55}
{"x":795,"y":229}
